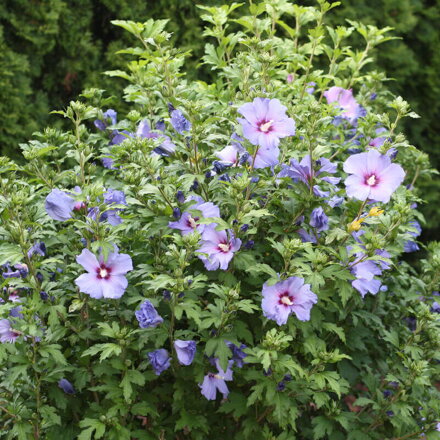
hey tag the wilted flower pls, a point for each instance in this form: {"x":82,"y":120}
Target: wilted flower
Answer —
{"x":179,"y":122}
{"x":319,"y":220}
{"x":345,"y":100}
{"x":335,"y":201}
{"x":21,"y":271}
{"x":372,"y":176}
{"x":265,"y":123}
{"x":188,"y":223}
{"x":148,"y":316}
{"x":185,"y":351}
{"x":237,"y":353}
{"x":104,"y":278}
{"x":59,"y":205}
{"x":220,"y":247}
{"x":66,"y":386}
{"x":38,"y":248}
{"x":213,"y":382}
{"x":287,"y":297}
{"x":159,"y":360}
{"x":7,"y":334}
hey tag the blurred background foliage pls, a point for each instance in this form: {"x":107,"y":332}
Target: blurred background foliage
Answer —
{"x":50,"y":50}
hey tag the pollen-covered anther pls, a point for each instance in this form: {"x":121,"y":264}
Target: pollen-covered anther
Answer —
{"x":286,"y":300}
{"x":192,"y":222}
{"x":371,"y":180}
{"x":266,"y":126}
{"x":225,"y":247}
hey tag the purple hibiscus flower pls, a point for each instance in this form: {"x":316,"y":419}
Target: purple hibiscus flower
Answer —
{"x":165,"y":148}
{"x":66,"y":386}
{"x":159,"y":360}
{"x":365,"y":271}
{"x":104,"y":278}
{"x":303,"y":172}
{"x":59,"y":205}
{"x":110,"y":118}
{"x":345,"y":100}
{"x":21,"y":271}
{"x":220,"y":247}
{"x":148,"y":316}
{"x":379,"y":140}
{"x":265,"y":122}
{"x":372,"y":176}
{"x":185,"y":351}
{"x":310,"y":90}
{"x":38,"y":248}
{"x":231,"y":155}
{"x":213,"y":382}
{"x":113,"y":197}
{"x":287,"y":297}
{"x":188,"y":222}
{"x":238,"y":355}
{"x":319,"y":220}
{"x":410,"y":245}
{"x":179,"y":122}
{"x":7,"y":334}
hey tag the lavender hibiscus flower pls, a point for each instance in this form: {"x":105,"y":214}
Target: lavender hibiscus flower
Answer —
{"x":165,"y":148}
{"x":179,"y":122}
{"x":238,"y":355}
{"x":113,"y":197}
{"x":59,"y":205}
{"x":21,"y":271}
{"x":189,"y":223}
{"x":303,"y":172}
{"x":7,"y":334}
{"x":319,"y":220}
{"x":110,"y":118}
{"x":233,"y":154}
{"x":372,"y":176}
{"x":365,"y":271}
{"x":159,"y":360}
{"x":345,"y":100}
{"x":220,"y":247}
{"x":148,"y":316}
{"x":104,"y":278}
{"x":287,"y":297}
{"x":38,"y":248}
{"x":185,"y":351}
{"x":213,"y":382}
{"x":410,"y":245}
{"x":265,"y":122}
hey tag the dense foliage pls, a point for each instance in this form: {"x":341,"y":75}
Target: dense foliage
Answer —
{"x":225,"y":257}
{"x":52,"y":50}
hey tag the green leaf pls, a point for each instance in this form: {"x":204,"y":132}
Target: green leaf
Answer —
{"x":10,"y":253}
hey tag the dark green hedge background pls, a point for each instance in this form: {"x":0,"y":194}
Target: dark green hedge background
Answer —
{"x":50,"y":50}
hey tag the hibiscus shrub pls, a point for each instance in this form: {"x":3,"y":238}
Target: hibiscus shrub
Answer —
{"x":226,"y":260}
